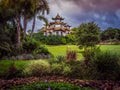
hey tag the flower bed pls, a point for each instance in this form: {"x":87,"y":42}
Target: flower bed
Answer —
{"x":101,"y":84}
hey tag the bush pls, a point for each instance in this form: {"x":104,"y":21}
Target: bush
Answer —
{"x":41,"y":50}
{"x":105,"y":66}
{"x":56,"y":69}
{"x":60,"y":59}
{"x":37,"y":68}
{"x":89,"y":53}
{"x":13,"y":72}
{"x":34,"y":47}
{"x":66,"y":70}
{"x":71,"y":55}
{"x":75,"y":69}
{"x":60,"y":69}
{"x":7,"y":50}
{"x":29,"y":45}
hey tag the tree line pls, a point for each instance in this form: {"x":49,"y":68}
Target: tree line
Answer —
{"x":14,"y":13}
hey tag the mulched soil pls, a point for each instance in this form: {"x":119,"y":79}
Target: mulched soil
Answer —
{"x":100,"y":85}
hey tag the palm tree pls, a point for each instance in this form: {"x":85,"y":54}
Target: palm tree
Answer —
{"x":25,"y":9}
{"x":15,"y":6}
{"x":43,"y":19}
{"x":40,"y":7}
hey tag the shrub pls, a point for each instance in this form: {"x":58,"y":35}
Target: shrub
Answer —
{"x":105,"y":66}
{"x":41,"y":50}
{"x":29,"y":45}
{"x":60,"y":59}
{"x":90,"y":52}
{"x":7,"y":50}
{"x":56,"y":69}
{"x":37,"y":68}
{"x":60,"y":69}
{"x":66,"y":70}
{"x":34,"y":47}
{"x":71,"y":55}
{"x":13,"y":72}
{"x":75,"y":69}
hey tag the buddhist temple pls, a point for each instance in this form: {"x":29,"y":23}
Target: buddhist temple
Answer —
{"x":57,"y":27}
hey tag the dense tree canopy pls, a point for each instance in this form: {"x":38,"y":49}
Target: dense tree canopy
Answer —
{"x":24,"y":10}
{"x":14,"y":17}
{"x":110,"y":33}
{"x":88,"y":34}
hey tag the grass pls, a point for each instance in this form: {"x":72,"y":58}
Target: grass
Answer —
{"x":49,"y":86}
{"x":56,"y":51}
{"x":61,"y":50}
{"x":5,"y":64}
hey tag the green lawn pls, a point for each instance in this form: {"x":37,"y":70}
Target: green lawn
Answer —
{"x":61,"y":50}
{"x":5,"y":64}
{"x":56,"y":51}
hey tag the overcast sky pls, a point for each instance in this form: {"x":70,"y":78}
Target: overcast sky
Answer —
{"x":106,"y":13}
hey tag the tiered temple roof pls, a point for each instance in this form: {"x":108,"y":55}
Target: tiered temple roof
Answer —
{"x":57,"y":25}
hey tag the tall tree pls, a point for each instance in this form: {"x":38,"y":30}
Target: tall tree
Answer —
{"x":15,"y":6}
{"x":110,"y":34}
{"x":87,"y":35}
{"x":25,"y":9}
{"x":40,"y":7}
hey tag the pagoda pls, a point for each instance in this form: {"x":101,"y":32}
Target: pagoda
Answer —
{"x":57,"y":27}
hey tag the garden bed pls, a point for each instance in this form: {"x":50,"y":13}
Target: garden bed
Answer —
{"x":99,"y":84}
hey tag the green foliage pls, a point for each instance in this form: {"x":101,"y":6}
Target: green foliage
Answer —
{"x":33,"y":46}
{"x":66,"y":70}
{"x":60,"y":59}
{"x":87,"y":34}
{"x":54,"y":39}
{"x":70,"y":39}
{"x":105,"y":66}
{"x":13,"y":72}
{"x":110,"y":34}
{"x":88,"y":53}
{"x":57,"y":69}
{"x":49,"y":85}
{"x":7,"y":50}
{"x":30,"y":45}
{"x":71,"y":55}
{"x":60,"y":69}
{"x":76,"y":69}
{"x":37,"y":68}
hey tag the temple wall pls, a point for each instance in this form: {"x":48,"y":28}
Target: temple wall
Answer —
{"x":64,"y":34}
{"x":56,"y":33}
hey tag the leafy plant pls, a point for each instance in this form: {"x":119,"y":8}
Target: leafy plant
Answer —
{"x":37,"y":68}
{"x":60,"y":69}
{"x":50,"y":86}
{"x":105,"y":66}
{"x":29,"y":45}
{"x":71,"y":55}
{"x":13,"y":72}
{"x":87,"y":36}
{"x":89,"y":53}
{"x":66,"y":70}
{"x":60,"y":59}
{"x":56,"y":69}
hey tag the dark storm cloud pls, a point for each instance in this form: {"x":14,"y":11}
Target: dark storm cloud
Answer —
{"x":106,"y":13}
{"x":102,"y":5}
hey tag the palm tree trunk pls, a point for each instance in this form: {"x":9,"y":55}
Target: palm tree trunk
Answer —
{"x":18,"y":32}
{"x":33,"y":26}
{"x":24,"y":26}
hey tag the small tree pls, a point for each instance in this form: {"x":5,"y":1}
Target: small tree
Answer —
{"x":87,"y":37}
